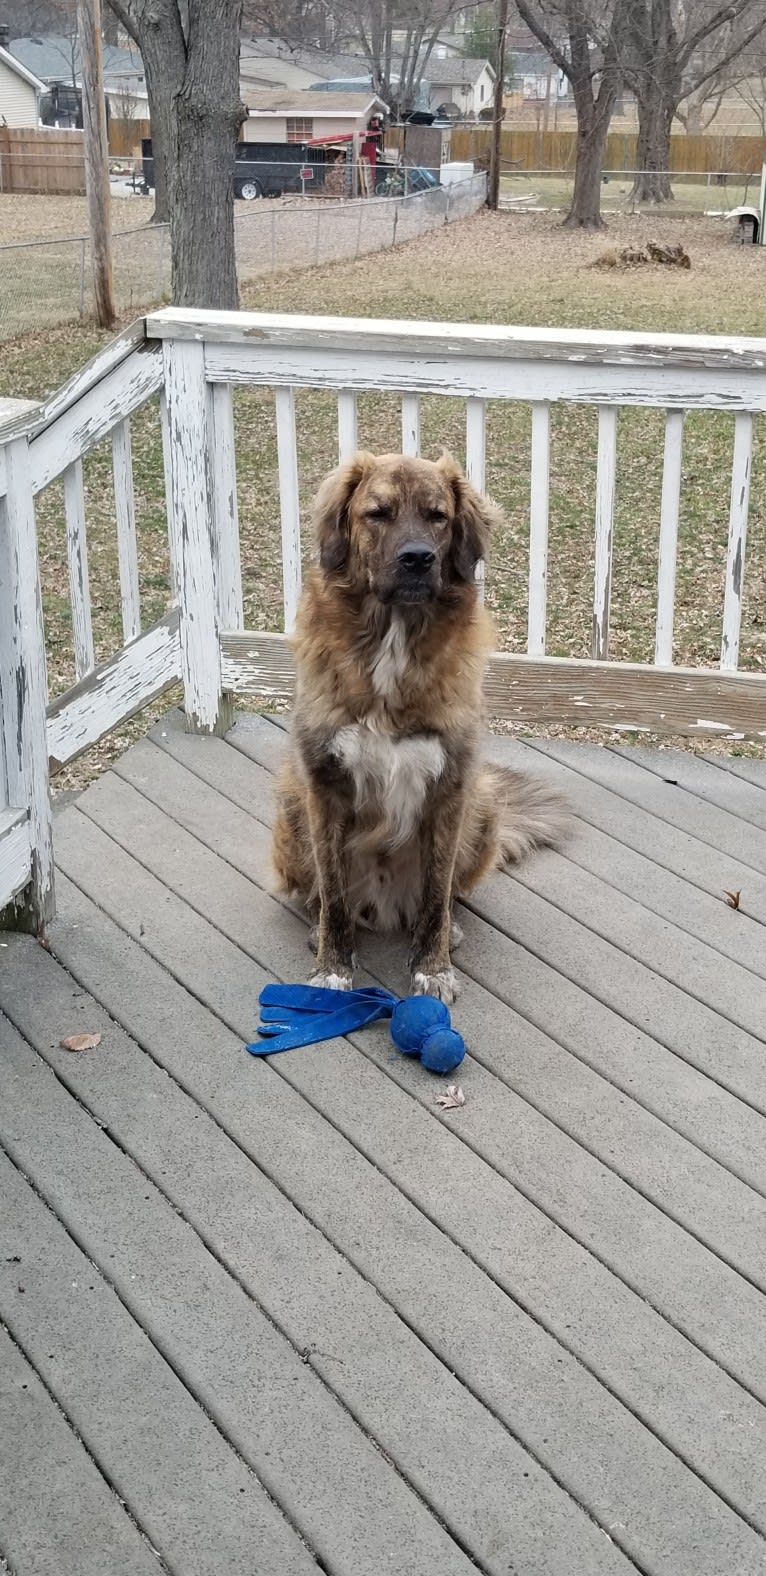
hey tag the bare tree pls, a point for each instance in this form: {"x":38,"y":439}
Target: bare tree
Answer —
{"x":190,"y":50}
{"x":752,"y":91}
{"x":672,"y":49}
{"x":297,"y":23}
{"x":396,"y":39}
{"x":585,"y":39}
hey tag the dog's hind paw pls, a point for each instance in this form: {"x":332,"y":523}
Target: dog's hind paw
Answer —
{"x":332,"y":981}
{"x":443,"y":985}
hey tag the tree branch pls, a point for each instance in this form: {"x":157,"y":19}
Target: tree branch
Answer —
{"x":537,"y":26}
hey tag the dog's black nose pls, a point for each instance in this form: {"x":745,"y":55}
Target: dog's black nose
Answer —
{"x":416,"y":557}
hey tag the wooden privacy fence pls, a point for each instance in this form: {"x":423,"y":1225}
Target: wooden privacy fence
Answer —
{"x":125,"y":137}
{"x":555,"y":150}
{"x":194,"y":360}
{"x":44,"y":160}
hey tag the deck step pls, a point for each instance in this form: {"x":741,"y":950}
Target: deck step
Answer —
{"x":15,"y":854}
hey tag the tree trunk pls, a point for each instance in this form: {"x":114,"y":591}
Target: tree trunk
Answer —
{"x":191,"y":60}
{"x":655,"y":118}
{"x":205,"y":115}
{"x":592,"y":127}
{"x":159,"y":125}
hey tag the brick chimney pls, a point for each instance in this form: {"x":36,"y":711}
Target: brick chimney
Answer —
{"x":5,"y":35}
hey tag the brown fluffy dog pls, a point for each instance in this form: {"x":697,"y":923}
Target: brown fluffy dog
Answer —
{"x":385,"y":812}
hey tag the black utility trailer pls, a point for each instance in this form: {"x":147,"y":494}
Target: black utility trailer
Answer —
{"x":263,"y":169}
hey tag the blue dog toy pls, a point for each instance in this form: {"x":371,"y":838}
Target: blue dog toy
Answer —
{"x":293,"y":1015}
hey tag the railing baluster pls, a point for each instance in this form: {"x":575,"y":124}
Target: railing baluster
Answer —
{"x":127,"y":547}
{"x":476,"y":461}
{"x":735,"y":554}
{"x":410,"y":424}
{"x":347,"y":438}
{"x":289,"y":503}
{"x":193,"y":543}
{"x":23,"y":679}
{"x":605,"y":483}
{"x":538,"y":529}
{"x":228,"y":566}
{"x":669,"y":511}
{"x":175,"y":573}
{"x":77,"y":557}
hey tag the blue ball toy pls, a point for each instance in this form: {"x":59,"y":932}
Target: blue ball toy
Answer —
{"x":442,"y":1050}
{"x":293,"y":1015}
{"x":414,"y":1018}
{"x":420,"y":1026}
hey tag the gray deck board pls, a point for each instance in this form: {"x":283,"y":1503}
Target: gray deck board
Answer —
{"x":56,"y":1510}
{"x":189,"y":1491}
{"x":525,"y":1336}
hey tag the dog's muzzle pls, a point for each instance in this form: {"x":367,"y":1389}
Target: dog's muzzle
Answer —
{"x":416,"y":572}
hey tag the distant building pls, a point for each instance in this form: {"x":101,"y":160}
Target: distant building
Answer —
{"x":20,"y":93}
{"x":280,"y":115}
{"x":55,"y":61}
{"x":462,"y":86}
{"x":266,"y":62}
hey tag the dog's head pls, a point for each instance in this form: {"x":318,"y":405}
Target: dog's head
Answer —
{"x":407,"y":530}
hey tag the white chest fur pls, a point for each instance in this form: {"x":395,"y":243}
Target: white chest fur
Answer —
{"x":390,"y":660}
{"x":391,"y":776}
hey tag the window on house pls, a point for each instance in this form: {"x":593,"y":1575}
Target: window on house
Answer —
{"x":300,"y":128}
{"x":481,"y":93}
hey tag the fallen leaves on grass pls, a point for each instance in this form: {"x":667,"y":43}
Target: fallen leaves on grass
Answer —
{"x":80,"y":1042}
{"x":452,"y":1097}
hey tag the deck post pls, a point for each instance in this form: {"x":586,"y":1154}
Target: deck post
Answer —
{"x":24,"y":685}
{"x":193,"y":535}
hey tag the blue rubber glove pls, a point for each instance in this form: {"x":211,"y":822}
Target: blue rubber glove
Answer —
{"x":294,"y":1015}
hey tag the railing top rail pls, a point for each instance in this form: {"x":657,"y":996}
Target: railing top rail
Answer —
{"x":41,"y":415}
{"x":584,"y":346}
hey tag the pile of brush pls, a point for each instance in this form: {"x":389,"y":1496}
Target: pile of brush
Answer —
{"x":635,"y":256}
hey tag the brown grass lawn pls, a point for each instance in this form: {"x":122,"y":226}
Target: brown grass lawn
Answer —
{"x":494,"y":268}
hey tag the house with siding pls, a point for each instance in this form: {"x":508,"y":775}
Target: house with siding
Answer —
{"x":464,"y":87}
{"x":20,"y":92}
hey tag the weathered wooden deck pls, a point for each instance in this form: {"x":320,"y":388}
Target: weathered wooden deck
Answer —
{"x":264,"y":1318}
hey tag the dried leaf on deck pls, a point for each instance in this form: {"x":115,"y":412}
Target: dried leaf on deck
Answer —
{"x":452,"y":1097}
{"x":80,"y":1042}
{"x":733,"y":898}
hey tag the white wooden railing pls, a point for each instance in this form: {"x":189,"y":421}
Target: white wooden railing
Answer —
{"x":193,"y":361}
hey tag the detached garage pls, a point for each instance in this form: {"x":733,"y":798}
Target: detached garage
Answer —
{"x":279,"y":115}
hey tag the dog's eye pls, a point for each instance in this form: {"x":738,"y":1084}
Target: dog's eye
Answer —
{"x":378,"y":512}
{"x":437,"y":516}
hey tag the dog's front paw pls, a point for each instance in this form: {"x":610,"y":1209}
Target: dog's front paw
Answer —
{"x":330,"y":981}
{"x":443,"y":985}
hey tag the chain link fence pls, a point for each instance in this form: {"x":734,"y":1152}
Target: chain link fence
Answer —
{"x":44,"y":283}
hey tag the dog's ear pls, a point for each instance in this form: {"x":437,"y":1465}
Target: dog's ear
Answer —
{"x":331,"y":510}
{"x":475,"y":519}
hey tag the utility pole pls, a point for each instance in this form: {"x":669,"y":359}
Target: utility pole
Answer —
{"x":96,"y":157}
{"x":493,"y":189}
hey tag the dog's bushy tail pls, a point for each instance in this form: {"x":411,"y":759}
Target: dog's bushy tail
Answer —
{"x":531,"y":814}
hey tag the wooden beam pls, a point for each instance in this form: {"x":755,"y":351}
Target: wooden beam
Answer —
{"x":114,"y":691}
{"x":96,"y":157}
{"x":525,"y":689}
